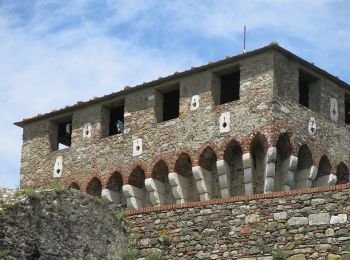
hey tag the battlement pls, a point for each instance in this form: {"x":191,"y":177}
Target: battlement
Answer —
{"x":260,"y":122}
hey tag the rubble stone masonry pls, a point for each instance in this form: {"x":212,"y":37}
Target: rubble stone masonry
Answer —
{"x":311,"y":223}
{"x":263,"y":142}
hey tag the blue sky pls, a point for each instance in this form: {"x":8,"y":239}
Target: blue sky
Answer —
{"x":54,"y":53}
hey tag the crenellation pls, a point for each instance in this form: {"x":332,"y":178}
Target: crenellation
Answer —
{"x":190,"y":137}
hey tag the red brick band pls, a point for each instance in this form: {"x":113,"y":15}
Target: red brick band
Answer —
{"x":239,"y":198}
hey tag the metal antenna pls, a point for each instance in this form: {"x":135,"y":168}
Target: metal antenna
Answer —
{"x":245,"y":35}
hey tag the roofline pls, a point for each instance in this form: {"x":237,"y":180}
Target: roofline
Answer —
{"x":176,"y":75}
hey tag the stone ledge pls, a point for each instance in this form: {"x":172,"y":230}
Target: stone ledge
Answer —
{"x":239,"y":198}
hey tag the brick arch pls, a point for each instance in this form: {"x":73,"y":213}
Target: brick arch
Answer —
{"x":89,"y":178}
{"x":161,"y":165}
{"x":247,"y":141}
{"x":94,"y":187}
{"x":305,"y":157}
{"x":284,"y":145}
{"x":74,"y":185}
{"x":70,"y":180}
{"x":142,"y":166}
{"x":137,"y":177}
{"x":324,"y":166}
{"x":230,"y":144}
{"x":108,"y":169}
{"x":257,"y":140}
{"x":316,"y":151}
{"x":154,"y":163}
{"x":180,"y":157}
{"x":114,"y":180}
{"x":342,"y":172}
{"x":113,"y":168}
{"x":207,"y":159}
{"x":258,"y":148}
{"x":207,"y":145}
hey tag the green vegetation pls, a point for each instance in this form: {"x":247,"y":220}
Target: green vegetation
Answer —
{"x":4,"y":252}
{"x":97,"y":200}
{"x":164,"y":238}
{"x":120,"y":215}
{"x":58,"y":188}
{"x":129,"y":254}
{"x":29,"y":192}
{"x":155,"y":255}
{"x":279,"y":254}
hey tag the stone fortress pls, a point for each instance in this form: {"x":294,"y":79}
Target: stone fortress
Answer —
{"x":261,"y":122}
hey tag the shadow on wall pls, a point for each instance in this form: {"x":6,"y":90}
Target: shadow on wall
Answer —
{"x":264,"y":169}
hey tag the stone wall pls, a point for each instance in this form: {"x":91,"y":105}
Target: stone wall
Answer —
{"x":263,"y":142}
{"x":58,"y":224}
{"x":313,"y":222}
{"x":194,"y":130}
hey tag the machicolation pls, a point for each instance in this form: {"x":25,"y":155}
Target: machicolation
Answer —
{"x":262,"y":122}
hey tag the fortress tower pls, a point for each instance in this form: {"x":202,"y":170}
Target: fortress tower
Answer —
{"x":259,"y":122}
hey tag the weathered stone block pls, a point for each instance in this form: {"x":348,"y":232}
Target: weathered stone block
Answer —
{"x":326,"y":180}
{"x":200,"y":173}
{"x":297,"y":257}
{"x":339,"y":219}
{"x":178,"y":180}
{"x":270,"y":169}
{"x":295,"y":221}
{"x":154,"y":185}
{"x":203,"y":186}
{"x":222,"y":167}
{"x":110,"y":196}
{"x":333,"y":257}
{"x":224,"y":181}
{"x":280,"y":215}
{"x":204,"y":196}
{"x":252,"y":218}
{"x":156,"y":198}
{"x":248,"y":175}
{"x":247,"y":160}
{"x":290,"y":164}
{"x":319,"y":219}
{"x":248,"y":188}
{"x":271,"y":155}
{"x":269,"y":185}
{"x":132,"y":191}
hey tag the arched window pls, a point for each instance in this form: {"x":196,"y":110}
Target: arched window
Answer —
{"x":94,"y":187}
{"x":233,"y":157}
{"x":207,"y":160}
{"x":305,"y":160}
{"x":342,"y":173}
{"x":303,"y":176}
{"x":74,"y":185}
{"x":183,"y":167}
{"x":284,"y":149}
{"x":258,"y":149}
{"x":137,"y":179}
{"x":323,"y":177}
{"x":160,"y":172}
{"x":115,"y":184}
{"x":324,"y":168}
